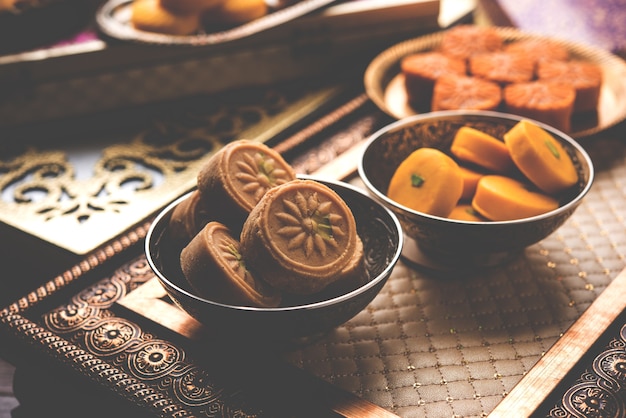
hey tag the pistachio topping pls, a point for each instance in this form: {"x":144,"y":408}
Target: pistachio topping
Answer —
{"x":259,"y":173}
{"x":309,"y":224}
{"x":552,"y":148}
{"x":416,"y":180}
{"x":233,"y":257}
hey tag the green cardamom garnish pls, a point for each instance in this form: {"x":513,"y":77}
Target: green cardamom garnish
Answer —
{"x":416,"y":180}
{"x":236,"y":254}
{"x":266,"y":166}
{"x":553,"y":149}
{"x":324,"y":227}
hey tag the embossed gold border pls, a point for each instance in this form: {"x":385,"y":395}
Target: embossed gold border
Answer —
{"x":566,"y":353}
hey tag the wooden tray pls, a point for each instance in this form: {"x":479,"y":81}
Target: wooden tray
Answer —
{"x":478,"y":344}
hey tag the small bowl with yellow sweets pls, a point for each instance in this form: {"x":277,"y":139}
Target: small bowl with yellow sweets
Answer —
{"x":474,"y":188}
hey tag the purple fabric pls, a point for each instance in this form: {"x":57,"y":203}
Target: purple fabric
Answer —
{"x":600,"y":23}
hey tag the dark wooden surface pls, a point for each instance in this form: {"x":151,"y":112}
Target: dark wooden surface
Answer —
{"x":7,"y":401}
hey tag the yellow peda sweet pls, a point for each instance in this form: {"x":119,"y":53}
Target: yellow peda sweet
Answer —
{"x":235,"y":12}
{"x":476,"y":147}
{"x":427,"y":181}
{"x":151,"y":16}
{"x":470,"y":181}
{"x":540,"y":157}
{"x":501,"y":198}
{"x":466,"y":212}
{"x":213,"y":266}
{"x":190,"y":6}
{"x":188,"y":218}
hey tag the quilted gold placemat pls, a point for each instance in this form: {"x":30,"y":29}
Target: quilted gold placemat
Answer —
{"x":432,"y":346}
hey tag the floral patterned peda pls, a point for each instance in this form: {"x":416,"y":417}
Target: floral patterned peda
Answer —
{"x":214,"y":267}
{"x":236,"y":178}
{"x":299,"y":237}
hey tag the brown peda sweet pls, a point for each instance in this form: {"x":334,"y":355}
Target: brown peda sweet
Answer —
{"x":188,"y":218}
{"x":421,"y":70}
{"x":548,"y":102}
{"x":214,"y":268}
{"x":584,"y":76}
{"x":452,"y":92}
{"x":353,"y":276}
{"x":502,"y":67}
{"x":299,"y":237}
{"x":463,"y":41}
{"x":236,"y":178}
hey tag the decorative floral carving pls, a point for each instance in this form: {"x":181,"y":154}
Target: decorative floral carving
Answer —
{"x":233,"y":257}
{"x":592,"y":401}
{"x":309,"y":224}
{"x":611,"y":365}
{"x":599,"y":390}
{"x":112,"y":336}
{"x":259,"y":173}
{"x":102,"y":294}
{"x":195,"y":388}
{"x":154,"y":359}
{"x":70,"y":317}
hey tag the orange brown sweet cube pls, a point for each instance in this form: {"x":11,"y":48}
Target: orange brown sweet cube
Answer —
{"x":421,"y":70}
{"x":463,"y":41}
{"x":549,"y":102}
{"x":453,"y":92}
{"x":429,"y":181}
{"x":514,"y":66}
{"x":539,"y":49}
{"x":585,"y":77}
{"x":502,"y":67}
{"x":542,"y":159}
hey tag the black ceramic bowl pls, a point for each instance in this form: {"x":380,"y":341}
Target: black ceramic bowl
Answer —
{"x":380,"y":232}
{"x":446,"y":244}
